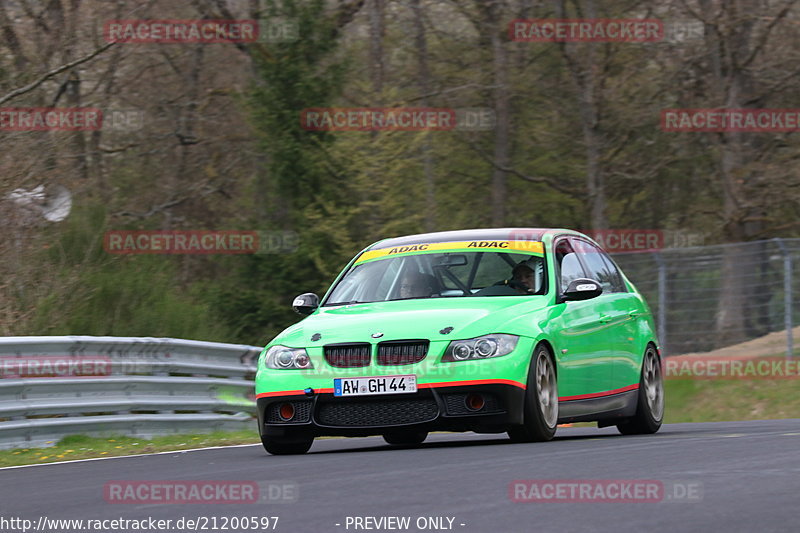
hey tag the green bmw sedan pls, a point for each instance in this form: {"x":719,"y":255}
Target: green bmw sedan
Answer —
{"x":499,"y":330}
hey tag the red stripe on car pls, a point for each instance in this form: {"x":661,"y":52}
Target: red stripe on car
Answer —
{"x":598,"y":394}
{"x":471,"y":382}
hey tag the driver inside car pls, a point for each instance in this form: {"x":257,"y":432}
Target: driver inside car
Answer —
{"x":416,"y":285}
{"x":524,"y":279}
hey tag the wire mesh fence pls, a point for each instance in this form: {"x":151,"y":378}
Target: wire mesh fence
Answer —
{"x":708,"y":297}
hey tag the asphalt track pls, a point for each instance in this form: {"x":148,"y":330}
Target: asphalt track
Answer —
{"x":742,"y":476}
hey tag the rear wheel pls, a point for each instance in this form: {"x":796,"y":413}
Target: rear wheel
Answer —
{"x":277,"y":446}
{"x":405,"y":438}
{"x":650,"y":405}
{"x":541,"y":400}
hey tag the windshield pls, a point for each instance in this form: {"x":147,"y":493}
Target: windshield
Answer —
{"x":512,"y":269}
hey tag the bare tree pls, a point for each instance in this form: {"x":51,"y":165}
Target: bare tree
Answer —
{"x":425,"y":87}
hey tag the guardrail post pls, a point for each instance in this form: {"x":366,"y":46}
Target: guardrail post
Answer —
{"x":787,"y":297}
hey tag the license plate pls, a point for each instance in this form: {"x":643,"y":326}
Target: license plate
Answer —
{"x":374,"y":385}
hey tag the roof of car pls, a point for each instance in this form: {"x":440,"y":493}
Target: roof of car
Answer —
{"x":486,"y":234}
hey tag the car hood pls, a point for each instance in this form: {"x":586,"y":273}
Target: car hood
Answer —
{"x":414,"y":319}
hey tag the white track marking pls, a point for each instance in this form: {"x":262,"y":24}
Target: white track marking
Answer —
{"x":132,"y":455}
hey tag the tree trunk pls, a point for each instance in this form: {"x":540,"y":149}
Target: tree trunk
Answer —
{"x":376,"y":31}
{"x":735,"y":84}
{"x":585,"y":81}
{"x":424,"y":84}
{"x":494,"y":22}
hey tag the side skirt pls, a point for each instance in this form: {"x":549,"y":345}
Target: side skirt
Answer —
{"x":609,"y":408}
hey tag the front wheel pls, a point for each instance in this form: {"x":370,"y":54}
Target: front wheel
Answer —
{"x":541,"y":400}
{"x":277,"y":446}
{"x":650,"y":404}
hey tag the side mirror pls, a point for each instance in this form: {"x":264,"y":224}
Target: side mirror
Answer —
{"x":306,"y":303}
{"x":583,"y":289}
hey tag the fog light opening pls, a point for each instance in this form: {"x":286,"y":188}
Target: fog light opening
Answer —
{"x":286,"y":412}
{"x":475,"y":402}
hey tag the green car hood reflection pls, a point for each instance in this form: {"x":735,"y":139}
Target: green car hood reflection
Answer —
{"x":417,"y":319}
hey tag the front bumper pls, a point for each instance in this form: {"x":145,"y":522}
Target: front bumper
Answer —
{"x":434,"y":407}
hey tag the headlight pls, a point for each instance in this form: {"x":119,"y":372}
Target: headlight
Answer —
{"x":480,"y":347}
{"x":283,"y":358}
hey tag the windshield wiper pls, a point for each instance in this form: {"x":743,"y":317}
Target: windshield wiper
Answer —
{"x":344,"y":303}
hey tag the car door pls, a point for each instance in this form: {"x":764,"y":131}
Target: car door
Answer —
{"x":619,"y":312}
{"x":577,"y":332}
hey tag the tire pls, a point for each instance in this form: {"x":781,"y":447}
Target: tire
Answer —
{"x":406,"y":438}
{"x":650,"y":405}
{"x":541,"y":400}
{"x":286,"y":447}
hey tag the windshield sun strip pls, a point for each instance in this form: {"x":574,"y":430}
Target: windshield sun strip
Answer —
{"x":528,"y":247}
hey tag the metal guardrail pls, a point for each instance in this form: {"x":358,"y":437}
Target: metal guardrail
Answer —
{"x":51,"y":387}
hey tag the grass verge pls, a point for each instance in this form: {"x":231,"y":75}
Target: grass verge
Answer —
{"x":83,"y":447}
{"x":721,"y":401}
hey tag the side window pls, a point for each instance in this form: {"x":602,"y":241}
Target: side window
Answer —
{"x":617,"y":284}
{"x":570,"y":267}
{"x":600,"y":267}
